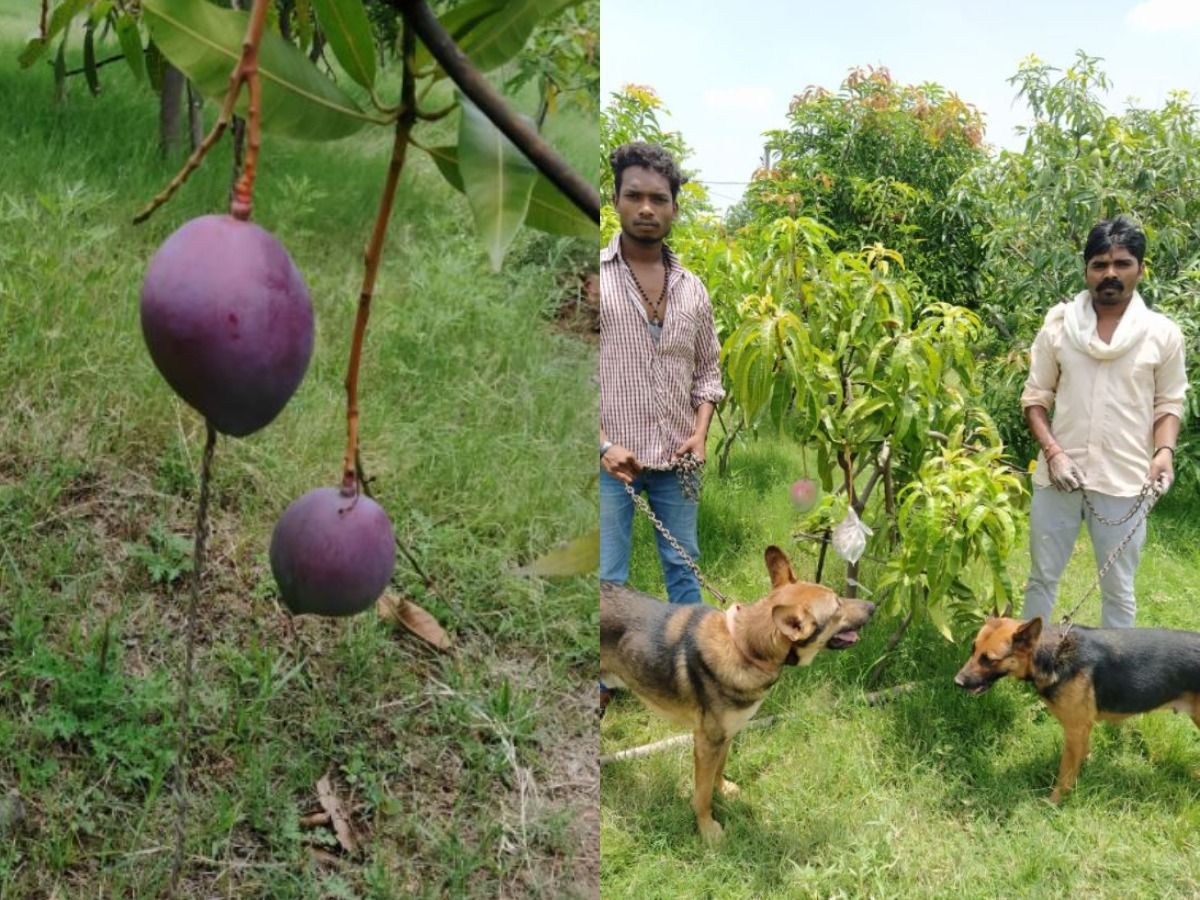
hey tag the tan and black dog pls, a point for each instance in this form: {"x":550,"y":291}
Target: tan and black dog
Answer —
{"x":709,"y":670}
{"x":1085,"y":674}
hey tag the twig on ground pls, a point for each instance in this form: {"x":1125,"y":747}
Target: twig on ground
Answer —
{"x":875,"y":698}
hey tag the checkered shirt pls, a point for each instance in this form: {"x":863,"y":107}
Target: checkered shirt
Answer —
{"x":649,"y":391}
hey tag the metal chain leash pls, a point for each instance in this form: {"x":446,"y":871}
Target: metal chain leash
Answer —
{"x":1145,"y":492}
{"x":689,"y":469}
{"x":1149,"y":492}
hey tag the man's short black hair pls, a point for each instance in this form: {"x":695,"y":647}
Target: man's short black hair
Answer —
{"x":649,"y":156}
{"x":1118,"y":232}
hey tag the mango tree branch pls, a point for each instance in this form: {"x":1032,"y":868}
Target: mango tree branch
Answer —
{"x":480,"y":91}
{"x":245,"y":70}
{"x":404,"y":124}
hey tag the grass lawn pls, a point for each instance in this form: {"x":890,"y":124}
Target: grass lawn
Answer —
{"x":934,"y":794}
{"x":469,"y":773}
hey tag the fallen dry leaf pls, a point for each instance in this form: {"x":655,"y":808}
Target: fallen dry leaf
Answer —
{"x":337,"y":814}
{"x":312,"y":820}
{"x":324,"y":857}
{"x":415,"y":619}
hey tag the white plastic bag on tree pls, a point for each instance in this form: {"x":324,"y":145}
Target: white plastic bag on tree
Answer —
{"x":850,"y":537}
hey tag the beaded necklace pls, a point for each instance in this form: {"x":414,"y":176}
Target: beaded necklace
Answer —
{"x":655,"y":308}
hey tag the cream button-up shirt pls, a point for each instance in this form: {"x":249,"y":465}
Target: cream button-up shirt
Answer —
{"x":1103,"y":411}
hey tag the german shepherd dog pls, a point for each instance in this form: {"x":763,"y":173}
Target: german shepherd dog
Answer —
{"x":709,"y":671}
{"x":1085,"y":674}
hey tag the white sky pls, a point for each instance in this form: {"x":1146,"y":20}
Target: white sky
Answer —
{"x":727,"y":70}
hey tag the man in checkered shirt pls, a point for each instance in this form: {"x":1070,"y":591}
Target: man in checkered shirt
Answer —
{"x":659,"y":369}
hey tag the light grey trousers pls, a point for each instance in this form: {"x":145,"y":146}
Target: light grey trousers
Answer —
{"x":1054,"y":520}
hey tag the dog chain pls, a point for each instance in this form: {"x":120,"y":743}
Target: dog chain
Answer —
{"x":689,"y":469}
{"x":1148,"y":492}
{"x":1145,"y":492}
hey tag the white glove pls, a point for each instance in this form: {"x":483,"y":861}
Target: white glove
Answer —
{"x":1064,"y":474}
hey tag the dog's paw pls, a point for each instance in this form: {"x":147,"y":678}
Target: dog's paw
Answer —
{"x":711,"y":831}
{"x":728,"y":789}
{"x":1055,"y":796}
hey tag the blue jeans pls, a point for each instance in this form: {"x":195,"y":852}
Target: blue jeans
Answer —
{"x":677,"y":513}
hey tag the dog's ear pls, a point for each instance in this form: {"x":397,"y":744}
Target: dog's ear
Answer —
{"x":1028,"y":633}
{"x":794,"y":622}
{"x":779,"y":567}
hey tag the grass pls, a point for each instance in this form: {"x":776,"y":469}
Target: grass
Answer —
{"x":934,"y":794}
{"x":465,"y":774}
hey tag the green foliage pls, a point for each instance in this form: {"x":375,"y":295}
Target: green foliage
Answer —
{"x":960,"y":508}
{"x":548,"y":210}
{"x":875,"y":162}
{"x":346,"y":25}
{"x":165,"y":555}
{"x":497,"y":179}
{"x":562,"y":58}
{"x":205,"y":43}
{"x":831,"y":352}
{"x":118,"y":720}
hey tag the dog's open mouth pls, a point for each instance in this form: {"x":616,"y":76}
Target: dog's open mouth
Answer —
{"x":843,"y":639}
{"x":981,"y":687}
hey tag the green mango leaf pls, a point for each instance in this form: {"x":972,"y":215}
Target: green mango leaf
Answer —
{"x":496,"y":39}
{"x":579,"y":557}
{"x":497,"y":178}
{"x":59,"y":19}
{"x":205,"y":43}
{"x":90,"y":72}
{"x":99,"y":11}
{"x":349,"y":32}
{"x":552,"y":212}
{"x":446,"y":159}
{"x":131,"y":46}
{"x":549,"y":210}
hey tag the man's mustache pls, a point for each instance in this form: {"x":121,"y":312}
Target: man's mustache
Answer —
{"x":1113,"y":283}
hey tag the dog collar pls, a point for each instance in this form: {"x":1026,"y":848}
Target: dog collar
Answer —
{"x":730,"y":615}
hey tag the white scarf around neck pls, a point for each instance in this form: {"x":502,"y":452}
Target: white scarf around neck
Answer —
{"x":1079,"y":320}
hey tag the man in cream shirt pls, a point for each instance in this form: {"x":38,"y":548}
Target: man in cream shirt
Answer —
{"x":1112,"y":372}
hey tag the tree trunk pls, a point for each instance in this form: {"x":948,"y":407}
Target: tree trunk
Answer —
{"x":170,"y":111}
{"x":195,"y":115}
{"x":876,"y":671}
{"x":726,"y":445}
{"x":821,"y":556}
{"x":318,"y":46}
{"x":285,"y":19}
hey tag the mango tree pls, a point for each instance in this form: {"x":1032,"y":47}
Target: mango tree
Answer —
{"x":842,"y":352}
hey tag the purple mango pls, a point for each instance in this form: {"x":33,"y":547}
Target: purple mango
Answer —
{"x":332,"y":555}
{"x":228,"y":320}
